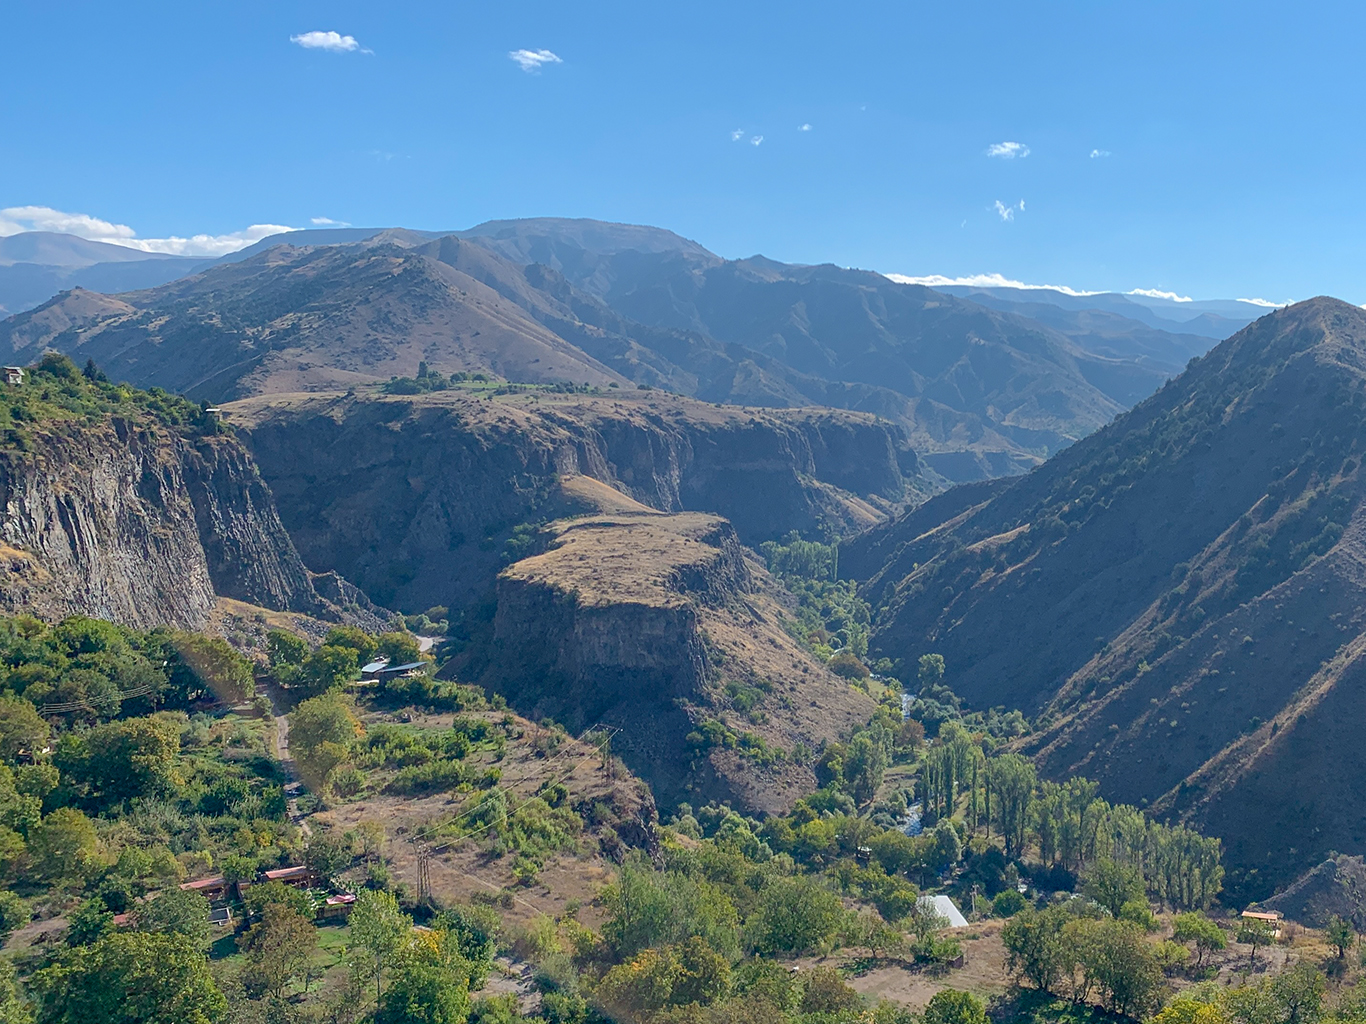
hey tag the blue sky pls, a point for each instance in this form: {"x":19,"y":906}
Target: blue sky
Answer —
{"x":1209,"y":149}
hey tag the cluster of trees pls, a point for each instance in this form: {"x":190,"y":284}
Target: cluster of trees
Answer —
{"x":830,"y":618}
{"x":55,"y":389}
{"x":338,"y":660}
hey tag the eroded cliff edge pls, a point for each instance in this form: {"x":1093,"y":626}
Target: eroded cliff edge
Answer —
{"x":128,"y":519}
{"x":415,"y":497}
{"x":658,"y":625}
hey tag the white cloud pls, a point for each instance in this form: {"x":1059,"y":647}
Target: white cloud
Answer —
{"x":984,"y":281}
{"x":1008,"y":150}
{"x":1154,"y":293}
{"x":332,"y":42}
{"x":757,"y":140}
{"x":328,"y":222}
{"x":1099,"y":153}
{"x":16,"y":219}
{"x":803,"y":127}
{"x":531,"y":61}
{"x":1008,"y":212}
{"x":1267,"y":304}
{"x":737,"y":135}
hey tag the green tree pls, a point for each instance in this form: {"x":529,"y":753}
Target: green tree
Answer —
{"x":1254,"y":932}
{"x":1112,"y":885}
{"x":825,"y":992}
{"x":327,"y":853}
{"x":353,"y":637}
{"x":378,"y":930}
{"x":703,"y":974}
{"x":796,"y":915}
{"x":14,"y":1008}
{"x":279,"y":946}
{"x":1117,"y":960}
{"x":217,"y":666}
{"x":948,"y":1006}
{"x":328,"y":668}
{"x":285,"y":650}
{"x":258,"y":897}
{"x":176,"y":911}
{"x":1195,"y":927}
{"x":1010,"y":785}
{"x":91,"y":921}
{"x":1035,"y":948}
{"x":1339,"y":933}
{"x":125,"y":759}
{"x":64,"y":846}
{"x":399,"y":648}
{"x":656,"y":908}
{"x":865,"y":762}
{"x":429,"y":984}
{"x":132,"y":977}
{"x":931,"y":670}
{"x":14,"y":914}
{"x":21,"y":727}
{"x":322,"y":731}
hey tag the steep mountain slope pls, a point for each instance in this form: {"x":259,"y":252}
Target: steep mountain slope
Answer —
{"x":137,"y":509}
{"x":416,"y":497}
{"x":998,"y":374}
{"x":1181,"y":596}
{"x":290,"y":319}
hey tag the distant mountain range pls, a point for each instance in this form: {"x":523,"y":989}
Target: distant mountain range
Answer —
{"x":984,"y":384}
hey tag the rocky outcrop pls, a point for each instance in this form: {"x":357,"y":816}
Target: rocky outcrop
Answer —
{"x":651,"y":624}
{"x":414,"y":498}
{"x":130,"y":521}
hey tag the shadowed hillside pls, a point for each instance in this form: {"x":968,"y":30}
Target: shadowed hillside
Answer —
{"x":1180,"y":597}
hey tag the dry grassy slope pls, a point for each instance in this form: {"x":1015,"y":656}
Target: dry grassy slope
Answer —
{"x":303,"y":319}
{"x":413,"y":497}
{"x":1174,"y":595}
{"x":640,"y":620}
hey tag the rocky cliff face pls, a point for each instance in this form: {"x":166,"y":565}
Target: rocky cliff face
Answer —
{"x":414,"y":498}
{"x":655,"y":624}
{"x":130,"y":521}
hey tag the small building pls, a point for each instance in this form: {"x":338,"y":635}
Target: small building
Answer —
{"x":336,"y":906}
{"x":220,"y":916}
{"x":14,"y":375}
{"x":1271,"y":917}
{"x":372,"y":669}
{"x":211,"y":889}
{"x":413,"y":668}
{"x":945,"y":908}
{"x":299,"y":876}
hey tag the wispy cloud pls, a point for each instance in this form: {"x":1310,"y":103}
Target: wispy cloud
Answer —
{"x":1008,"y":150}
{"x":328,"y":222}
{"x":1099,"y":154}
{"x":756,"y":140}
{"x":984,"y":281}
{"x":1267,"y":304}
{"x":737,"y":135}
{"x":532,"y":61}
{"x":803,"y":127}
{"x":1008,"y":212}
{"x":16,"y":219}
{"x":1156,"y":293}
{"x":332,"y":42}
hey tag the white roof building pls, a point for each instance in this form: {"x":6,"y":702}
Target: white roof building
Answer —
{"x":943,"y":906}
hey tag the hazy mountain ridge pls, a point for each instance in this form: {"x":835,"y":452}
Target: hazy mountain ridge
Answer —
{"x":980,"y":392}
{"x":1180,"y":595}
